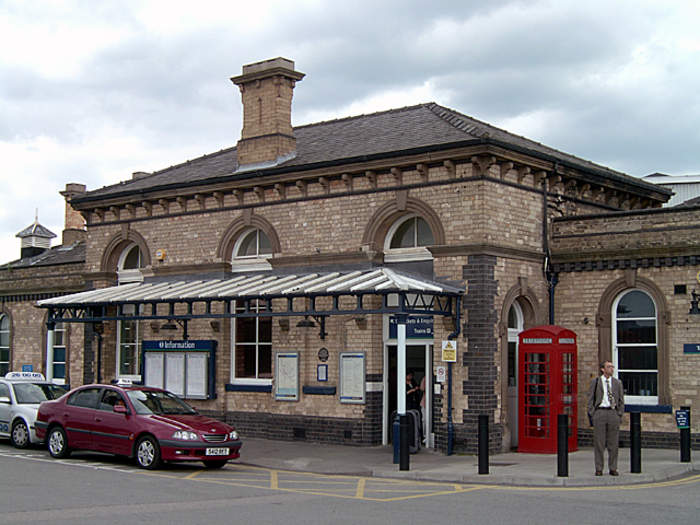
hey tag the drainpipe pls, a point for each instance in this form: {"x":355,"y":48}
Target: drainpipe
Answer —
{"x":551,"y":276}
{"x":450,"y":424}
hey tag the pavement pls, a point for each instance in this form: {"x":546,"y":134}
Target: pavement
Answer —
{"x":514,"y":469}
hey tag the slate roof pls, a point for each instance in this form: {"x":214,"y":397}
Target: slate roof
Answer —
{"x":36,"y":230}
{"x":73,"y":253}
{"x":414,"y":127}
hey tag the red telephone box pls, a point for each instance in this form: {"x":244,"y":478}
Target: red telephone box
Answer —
{"x":547,"y":387}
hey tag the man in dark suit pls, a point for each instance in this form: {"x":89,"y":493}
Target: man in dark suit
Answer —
{"x":606,"y":404}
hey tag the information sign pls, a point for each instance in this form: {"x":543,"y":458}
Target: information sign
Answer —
{"x":682,"y":417}
{"x":449,"y":351}
{"x":352,"y":377}
{"x":691,"y":348}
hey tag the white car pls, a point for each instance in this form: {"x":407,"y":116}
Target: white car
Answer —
{"x":20,"y":395}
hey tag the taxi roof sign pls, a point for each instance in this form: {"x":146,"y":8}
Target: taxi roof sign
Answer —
{"x":35,"y":376}
{"x":123,"y":381}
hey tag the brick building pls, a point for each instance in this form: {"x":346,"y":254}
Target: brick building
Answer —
{"x":267,"y":282}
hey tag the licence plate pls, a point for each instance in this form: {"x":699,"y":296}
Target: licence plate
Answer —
{"x":219,"y":451}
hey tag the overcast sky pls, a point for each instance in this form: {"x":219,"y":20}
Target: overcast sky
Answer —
{"x":91,"y":91}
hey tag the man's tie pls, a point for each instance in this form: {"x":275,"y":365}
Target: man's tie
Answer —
{"x":611,"y":400}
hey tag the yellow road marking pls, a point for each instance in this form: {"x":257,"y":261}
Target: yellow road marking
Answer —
{"x":273,"y":480}
{"x":193,"y":475}
{"x":360,"y":492}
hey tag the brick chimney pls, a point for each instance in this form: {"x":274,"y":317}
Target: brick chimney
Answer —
{"x":266,"y":90}
{"x":74,"y":228}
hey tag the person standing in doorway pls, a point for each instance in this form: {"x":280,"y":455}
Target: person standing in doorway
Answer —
{"x":606,"y":404}
{"x":412,"y":393}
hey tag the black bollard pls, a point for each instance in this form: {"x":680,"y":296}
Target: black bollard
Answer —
{"x":635,"y":442}
{"x":562,"y":445}
{"x":483,"y":444}
{"x":404,"y":458}
{"x":685,"y":440}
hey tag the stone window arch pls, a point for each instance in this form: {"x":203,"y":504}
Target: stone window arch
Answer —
{"x":126,"y":254}
{"x":248,"y":242}
{"x":404,"y":219}
{"x":611,"y":320}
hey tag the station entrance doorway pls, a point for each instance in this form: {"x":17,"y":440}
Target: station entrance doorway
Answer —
{"x":419,"y":360}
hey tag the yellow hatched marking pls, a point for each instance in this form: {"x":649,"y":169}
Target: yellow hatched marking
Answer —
{"x":360,"y":492}
{"x":274,"y":483}
{"x":193,"y":475}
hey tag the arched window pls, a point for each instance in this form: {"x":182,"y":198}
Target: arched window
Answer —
{"x":635,"y":351}
{"x":129,"y":334}
{"x":251,"y":251}
{"x":130,"y":263}
{"x":515,"y":326}
{"x":407,"y":238}
{"x":252,"y":243}
{"x":4,"y":344}
{"x":410,"y":232}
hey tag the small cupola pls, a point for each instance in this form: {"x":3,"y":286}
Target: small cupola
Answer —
{"x":267,"y":137}
{"x":35,"y":239}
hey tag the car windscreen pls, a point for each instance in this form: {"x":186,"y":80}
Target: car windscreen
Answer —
{"x":29,"y":393}
{"x":158,"y":402}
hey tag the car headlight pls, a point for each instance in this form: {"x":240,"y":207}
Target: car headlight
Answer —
{"x":233,"y":435}
{"x":185,"y":435}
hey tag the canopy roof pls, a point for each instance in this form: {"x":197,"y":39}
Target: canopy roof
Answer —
{"x":402,"y":293}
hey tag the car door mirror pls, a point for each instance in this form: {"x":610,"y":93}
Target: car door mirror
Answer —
{"x":5,"y":399}
{"x":120,"y":409}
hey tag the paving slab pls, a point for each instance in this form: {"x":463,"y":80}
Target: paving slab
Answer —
{"x":514,"y":469}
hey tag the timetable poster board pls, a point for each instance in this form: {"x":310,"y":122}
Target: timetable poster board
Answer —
{"x":352,"y":377}
{"x":185,"y":368}
{"x":287,"y":376}
{"x":154,"y":369}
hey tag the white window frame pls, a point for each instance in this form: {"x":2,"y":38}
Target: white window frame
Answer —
{"x":249,"y":263}
{"x":630,"y":399}
{"x":130,"y":275}
{"x":248,"y":380}
{"x":60,"y":328}
{"x":8,"y":331}
{"x":414,"y":253}
{"x":137,"y":326}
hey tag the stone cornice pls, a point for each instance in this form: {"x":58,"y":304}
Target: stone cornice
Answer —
{"x":384,"y":174}
{"x":486,"y":249}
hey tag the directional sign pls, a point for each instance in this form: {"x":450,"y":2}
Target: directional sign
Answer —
{"x":682,"y":417}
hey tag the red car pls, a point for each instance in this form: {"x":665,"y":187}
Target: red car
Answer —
{"x":150,"y":424}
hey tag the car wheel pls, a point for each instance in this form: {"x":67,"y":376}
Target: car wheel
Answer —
{"x":215,"y":463}
{"x":58,"y":443}
{"x":20,"y":435}
{"x":148,"y":453}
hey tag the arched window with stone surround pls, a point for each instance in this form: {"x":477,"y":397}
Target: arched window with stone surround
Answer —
{"x":129,"y":336}
{"x":407,"y":239}
{"x":635,"y":351}
{"x":4,"y":344}
{"x":130,"y":262}
{"x":253,"y":243}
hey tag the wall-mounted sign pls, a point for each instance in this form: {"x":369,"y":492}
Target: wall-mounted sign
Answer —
{"x":691,"y":348}
{"x":186,"y":368}
{"x":322,"y":373}
{"x":417,"y":327}
{"x":323,"y":354}
{"x":449,"y":351}
{"x":441,"y":374}
{"x":287,"y":376}
{"x":352,"y":377}
{"x":682,"y":417}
